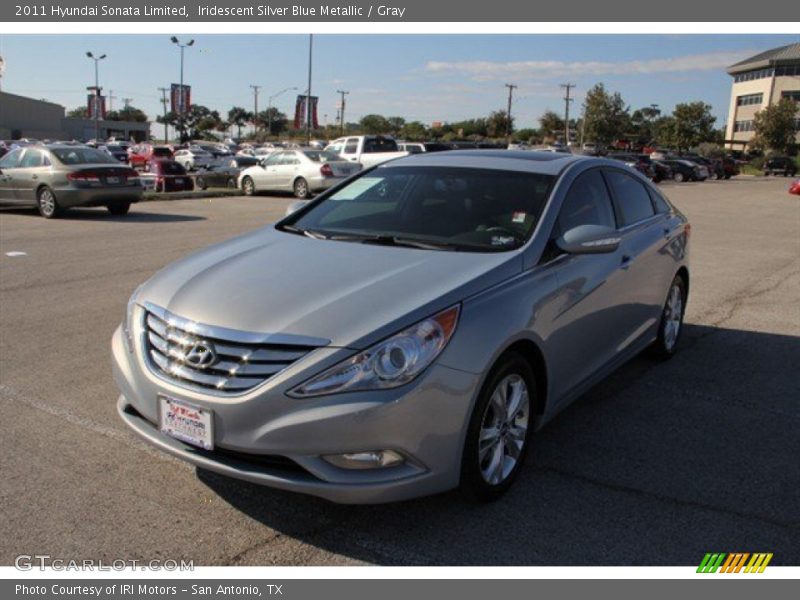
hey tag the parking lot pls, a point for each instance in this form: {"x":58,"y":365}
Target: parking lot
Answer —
{"x":659,"y":464}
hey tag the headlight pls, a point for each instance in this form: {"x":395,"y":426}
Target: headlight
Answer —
{"x":388,"y":364}
{"x":127,"y":325}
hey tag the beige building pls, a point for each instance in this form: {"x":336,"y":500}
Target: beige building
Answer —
{"x":758,"y":82}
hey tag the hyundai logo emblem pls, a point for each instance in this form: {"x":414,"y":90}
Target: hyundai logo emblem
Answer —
{"x":201,"y":355}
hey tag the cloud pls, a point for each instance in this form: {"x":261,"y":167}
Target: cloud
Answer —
{"x":492,"y":70}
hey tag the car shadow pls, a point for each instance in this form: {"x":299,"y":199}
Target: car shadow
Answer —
{"x":657,"y":465}
{"x":101,"y":214}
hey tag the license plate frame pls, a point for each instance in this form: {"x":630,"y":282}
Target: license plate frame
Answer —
{"x":196,"y":426}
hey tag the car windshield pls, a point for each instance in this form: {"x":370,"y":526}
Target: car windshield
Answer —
{"x":321,"y":155}
{"x":169,"y":167}
{"x":482,"y":210}
{"x":78,"y":155}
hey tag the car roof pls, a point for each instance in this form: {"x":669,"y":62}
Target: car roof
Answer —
{"x":547,"y":163}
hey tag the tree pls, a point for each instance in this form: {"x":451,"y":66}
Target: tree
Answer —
{"x":200,"y":119}
{"x":551,"y":124}
{"x":606,"y":116}
{"x":643,"y":124}
{"x":415,"y":130}
{"x":775,"y":126}
{"x":273,"y":120}
{"x":79,"y":113}
{"x":128,"y":113}
{"x":693,"y":124}
{"x":374,"y":124}
{"x":498,"y":125}
{"x":396,"y":124}
{"x":238,"y":117}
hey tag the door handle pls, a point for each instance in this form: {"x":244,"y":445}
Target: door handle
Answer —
{"x":34,"y":177}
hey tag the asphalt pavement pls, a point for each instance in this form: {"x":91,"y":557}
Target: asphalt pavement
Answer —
{"x":657,"y":465}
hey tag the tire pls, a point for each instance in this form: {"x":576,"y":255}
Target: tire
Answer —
{"x":727,"y":175}
{"x":47,"y":203}
{"x":119,"y":208}
{"x":496,"y":446}
{"x":231,"y":183}
{"x":678,"y":177}
{"x":301,"y":188}
{"x":248,"y":186}
{"x":200,"y":182}
{"x":671,"y":325}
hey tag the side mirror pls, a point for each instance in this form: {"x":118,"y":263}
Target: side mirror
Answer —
{"x":589,"y":239}
{"x":295,"y":206}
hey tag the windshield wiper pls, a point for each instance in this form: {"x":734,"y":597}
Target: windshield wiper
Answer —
{"x":393,"y":240}
{"x":317,"y":235}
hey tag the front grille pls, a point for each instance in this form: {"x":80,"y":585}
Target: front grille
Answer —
{"x":173,"y":345}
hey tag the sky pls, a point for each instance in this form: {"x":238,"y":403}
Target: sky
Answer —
{"x":419,"y":77}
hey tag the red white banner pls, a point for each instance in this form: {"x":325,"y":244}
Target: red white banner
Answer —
{"x":180,"y":100}
{"x":301,"y":112}
{"x":96,"y":105}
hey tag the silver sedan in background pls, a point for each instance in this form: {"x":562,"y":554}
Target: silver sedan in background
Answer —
{"x":304,"y":171}
{"x":409,"y":330}
{"x":57,"y":177}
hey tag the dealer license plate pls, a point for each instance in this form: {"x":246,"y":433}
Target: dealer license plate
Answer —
{"x":186,"y":422}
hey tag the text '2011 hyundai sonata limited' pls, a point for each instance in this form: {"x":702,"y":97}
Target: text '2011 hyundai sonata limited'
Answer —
{"x":406,"y":332}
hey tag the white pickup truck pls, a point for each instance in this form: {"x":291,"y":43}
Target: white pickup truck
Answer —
{"x":369,"y":150}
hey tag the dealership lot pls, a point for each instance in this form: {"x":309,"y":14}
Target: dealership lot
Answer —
{"x":658,"y":465}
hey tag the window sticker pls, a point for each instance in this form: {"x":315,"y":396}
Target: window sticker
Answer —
{"x":357,"y":188}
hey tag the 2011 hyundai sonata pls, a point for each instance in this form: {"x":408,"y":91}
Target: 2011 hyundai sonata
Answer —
{"x":408,"y":331}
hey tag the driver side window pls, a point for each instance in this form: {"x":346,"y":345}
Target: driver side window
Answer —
{"x":587,"y":203}
{"x":11,"y":160}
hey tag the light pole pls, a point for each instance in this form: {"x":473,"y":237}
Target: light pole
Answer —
{"x":181,"y":104}
{"x":96,"y":107}
{"x":269,"y":107}
{"x":342,"y":93}
{"x":255,"y":89}
{"x":308,"y":97}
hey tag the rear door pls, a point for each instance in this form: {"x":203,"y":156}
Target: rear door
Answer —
{"x":648,"y":264}
{"x":285,"y":170}
{"x":33,"y":170}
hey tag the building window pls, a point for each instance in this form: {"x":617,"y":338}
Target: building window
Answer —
{"x":791,"y":94}
{"x":790,"y":71}
{"x":743,"y":126}
{"x":749,"y":99}
{"x":752,"y":75}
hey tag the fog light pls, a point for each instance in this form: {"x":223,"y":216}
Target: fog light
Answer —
{"x":378,"y":459}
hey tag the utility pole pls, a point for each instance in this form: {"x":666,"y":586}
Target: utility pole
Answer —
{"x":97,"y":91}
{"x":255,"y":89}
{"x":164,"y":101}
{"x":126,"y":103}
{"x":342,"y":94}
{"x":567,"y":100}
{"x":511,"y":87}
{"x":181,"y":95}
{"x":308,"y":97}
{"x":111,"y":98}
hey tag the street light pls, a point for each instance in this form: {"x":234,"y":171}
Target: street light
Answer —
{"x":97,"y":88}
{"x":269,"y":107}
{"x":181,"y":105}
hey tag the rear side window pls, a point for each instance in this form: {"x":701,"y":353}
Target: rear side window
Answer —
{"x":662,"y":206}
{"x":632,"y":198}
{"x":32,"y":158}
{"x":587,"y":203}
{"x":351,"y":147}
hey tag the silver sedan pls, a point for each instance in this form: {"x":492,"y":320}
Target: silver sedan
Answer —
{"x":303,"y":172}
{"x":408,"y":331}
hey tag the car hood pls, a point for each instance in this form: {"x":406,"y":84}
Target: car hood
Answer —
{"x":347,"y":293}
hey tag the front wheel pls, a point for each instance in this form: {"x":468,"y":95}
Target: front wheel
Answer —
{"x":678,"y":177}
{"x":200,"y":182}
{"x":248,"y":186}
{"x":301,"y":189}
{"x":47,"y":204}
{"x":500,"y":428}
{"x":671,"y":326}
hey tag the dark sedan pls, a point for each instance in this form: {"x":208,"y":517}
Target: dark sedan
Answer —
{"x":782,"y":165}
{"x":223,"y":171}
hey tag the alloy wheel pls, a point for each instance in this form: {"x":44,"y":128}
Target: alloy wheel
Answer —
{"x":504,"y":429}
{"x":673,"y":315}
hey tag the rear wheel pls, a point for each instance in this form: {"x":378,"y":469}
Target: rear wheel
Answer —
{"x":231,"y":183}
{"x":301,"y":188}
{"x":119,"y":208}
{"x":47,"y":203}
{"x":678,"y":177}
{"x":200,"y":182}
{"x":671,"y":326}
{"x":248,"y":186}
{"x":500,"y":428}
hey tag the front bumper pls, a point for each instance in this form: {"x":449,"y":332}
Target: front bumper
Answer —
{"x":268,"y":438}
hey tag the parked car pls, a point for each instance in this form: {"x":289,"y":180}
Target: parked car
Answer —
{"x":795,"y":187}
{"x":730,"y":167}
{"x":214,"y":149}
{"x":407,"y":332}
{"x":636,"y":161}
{"x":140,"y":156}
{"x":662,"y":171}
{"x":685,"y":170}
{"x":713,"y":166}
{"x":420,"y":147}
{"x":783,"y":165}
{"x":116,"y":151}
{"x":193,"y":157}
{"x":303,"y":172}
{"x":55,"y":178}
{"x":368,"y":150}
{"x":223,"y":171}
{"x":170,"y":176}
